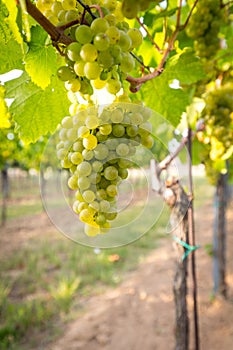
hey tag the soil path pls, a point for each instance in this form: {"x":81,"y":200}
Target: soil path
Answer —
{"x":139,"y":314}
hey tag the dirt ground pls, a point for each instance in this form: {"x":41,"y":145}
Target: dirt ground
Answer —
{"x":139,"y":314}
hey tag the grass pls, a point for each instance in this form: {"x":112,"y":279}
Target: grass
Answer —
{"x":42,"y":284}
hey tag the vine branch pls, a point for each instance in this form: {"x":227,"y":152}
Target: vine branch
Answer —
{"x":149,"y":35}
{"x":57,"y":34}
{"x":136,"y":83}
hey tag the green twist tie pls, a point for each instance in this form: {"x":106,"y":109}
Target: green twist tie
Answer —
{"x":189,"y":248}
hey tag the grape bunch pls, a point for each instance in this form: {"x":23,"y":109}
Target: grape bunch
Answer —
{"x":100,"y":54}
{"x":218,"y":116}
{"x":130,"y":8}
{"x":204,"y":27}
{"x":97,"y":145}
{"x":218,"y":134}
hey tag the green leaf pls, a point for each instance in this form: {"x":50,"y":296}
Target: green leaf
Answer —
{"x":41,"y":59}
{"x":11,"y":20}
{"x":171,"y":103}
{"x":4,"y":113}
{"x":36,"y":111}
{"x":185,"y":67}
{"x":5,"y":33}
{"x":11,"y":56}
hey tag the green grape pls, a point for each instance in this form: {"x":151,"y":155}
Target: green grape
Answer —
{"x":84,"y":169}
{"x":132,"y":130}
{"x":78,"y":146}
{"x":92,"y":70}
{"x":104,"y":206}
{"x":88,"y":53}
{"x":73,"y":51}
{"x":67,"y":122}
{"x":118,"y":130}
{"x":122,"y":150}
{"x":71,"y":135}
{"x":111,"y":216}
{"x":73,"y":182}
{"x":91,"y":230}
{"x":112,"y":190}
{"x":110,"y":173}
{"x":64,"y":73}
{"x":130,"y":8}
{"x":56,"y":7}
{"x":87,"y":154}
{"x":73,"y":85}
{"x":105,"y":60}
{"x":90,"y":142}
{"x":101,"y":42}
{"x":86,"y":88}
{"x":135,"y":36}
{"x":71,"y":16}
{"x":97,"y":166}
{"x":101,"y":152}
{"x":136,"y":118}
{"x":111,"y":19}
{"x":110,"y":4}
{"x":113,"y":86}
{"x":100,"y":219}
{"x":88,"y":196}
{"x":79,"y":68}
{"x":68,"y":4}
{"x":92,"y":122}
{"x":83,"y":183}
{"x":61,"y":16}
{"x":83,"y":34}
{"x":124,"y":41}
{"x":128,"y":63}
{"x":117,"y":116}
{"x":123,"y":173}
{"x":105,"y":129}
{"x":113,"y":34}
{"x":99,"y":25}
{"x":76,"y":158}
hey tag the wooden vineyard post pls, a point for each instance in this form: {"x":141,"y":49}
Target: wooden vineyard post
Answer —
{"x":5,"y":194}
{"x":219,"y":239}
{"x":177,"y":199}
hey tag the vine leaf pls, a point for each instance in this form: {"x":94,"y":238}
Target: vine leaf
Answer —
{"x":5,"y":33}
{"x":11,"y":56}
{"x":4,"y":113}
{"x":41,"y":59}
{"x":11,"y":19}
{"x":36,"y":111}
{"x":184,"y":67}
{"x":159,"y":96}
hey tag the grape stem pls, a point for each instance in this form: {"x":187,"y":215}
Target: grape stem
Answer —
{"x":98,"y":8}
{"x":136,"y":83}
{"x":57,"y":35}
{"x":148,"y":34}
{"x":87,"y":8}
{"x":69,"y":24}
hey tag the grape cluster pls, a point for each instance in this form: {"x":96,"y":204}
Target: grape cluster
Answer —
{"x":60,"y":12}
{"x":204,"y":27}
{"x":130,"y":8}
{"x":100,"y":54}
{"x":96,"y":146}
{"x":218,"y":116}
{"x":218,"y":133}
